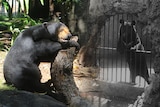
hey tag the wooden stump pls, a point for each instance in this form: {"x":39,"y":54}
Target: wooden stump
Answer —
{"x":61,"y":74}
{"x":63,"y":81}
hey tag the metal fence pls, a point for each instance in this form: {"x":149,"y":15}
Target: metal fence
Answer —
{"x":113,"y":66}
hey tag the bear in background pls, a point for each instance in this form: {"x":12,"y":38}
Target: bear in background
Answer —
{"x":32,"y":46}
{"x":128,"y":44}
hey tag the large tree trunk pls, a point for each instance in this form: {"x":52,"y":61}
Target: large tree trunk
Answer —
{"x":37,"y":10}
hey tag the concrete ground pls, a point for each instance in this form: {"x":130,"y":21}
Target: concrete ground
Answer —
{"x":114,"y":68}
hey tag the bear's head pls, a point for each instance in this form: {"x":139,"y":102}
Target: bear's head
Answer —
{"x":127,"y":29}
{"x":55,"y":31}
{"x":63,"y":33}
{"x":58,"y":31}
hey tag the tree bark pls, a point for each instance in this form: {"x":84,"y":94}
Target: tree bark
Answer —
{"x":37,"y":10}
{"x":63,"y":81}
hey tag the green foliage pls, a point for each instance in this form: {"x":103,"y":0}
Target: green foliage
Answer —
{"x":16,"y":25}
{"x":3,"y":17}
{"x":6,"y":87}
{"x":19,"y":24}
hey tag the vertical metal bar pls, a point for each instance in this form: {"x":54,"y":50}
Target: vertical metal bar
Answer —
{"x":121,"y":59}
{"x":99,"y":54}
{"x":127,"y":18}
{"x":103,"y":51}
{"x":105,"y":59}
{"x":126,"y":15}
{"x":108,"y":34}
{"x":142,"y":55}
{"x":116,"y":45}
{"x":141,"y":59}
{"x":112,"y":74}
{"x":151,"y":62}
{"x":135,"y":70}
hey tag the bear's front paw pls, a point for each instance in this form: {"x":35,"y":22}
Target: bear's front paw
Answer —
{"x":74,"y":44}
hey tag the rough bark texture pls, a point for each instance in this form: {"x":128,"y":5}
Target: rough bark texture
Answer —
{"x":150,"y":18}
{"x":62,"y":76}
{"x":63,"y":81}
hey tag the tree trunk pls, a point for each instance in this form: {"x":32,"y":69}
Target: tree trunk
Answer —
{"x":62,"y":78}
{"x":37,"y":10}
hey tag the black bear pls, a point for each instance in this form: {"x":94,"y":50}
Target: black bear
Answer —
{"x":129,"y":42}
{"x":34,"y":45}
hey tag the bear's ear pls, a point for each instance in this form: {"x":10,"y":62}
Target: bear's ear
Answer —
{"x":121,"y":21}
{"x":133,"y":22}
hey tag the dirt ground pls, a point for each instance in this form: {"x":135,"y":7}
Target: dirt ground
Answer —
{"x":2,"y":57}
{"x":44,"y":67}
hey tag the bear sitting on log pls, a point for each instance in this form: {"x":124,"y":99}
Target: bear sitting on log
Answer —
{"x":34,"y":45}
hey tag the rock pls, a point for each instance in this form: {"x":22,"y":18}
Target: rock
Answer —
{"x":14,"y":98}
{"x":110,"y":7}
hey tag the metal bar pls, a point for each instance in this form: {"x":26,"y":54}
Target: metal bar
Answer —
{"x":122,"y":17}
{"x":127,"y":18}
{"x":99,"y":59}
{"x":103,"y":51}
{"x":116,"y":45}
{"x":151,"y":60}
{"x":110,"y":48}
{"x":108,"y":24}
{"x":115,"y":67}
{"x":112,"y":45}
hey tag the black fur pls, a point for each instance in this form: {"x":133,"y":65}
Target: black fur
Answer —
{"x":34,"y":45}
{"x":136,"y":61}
